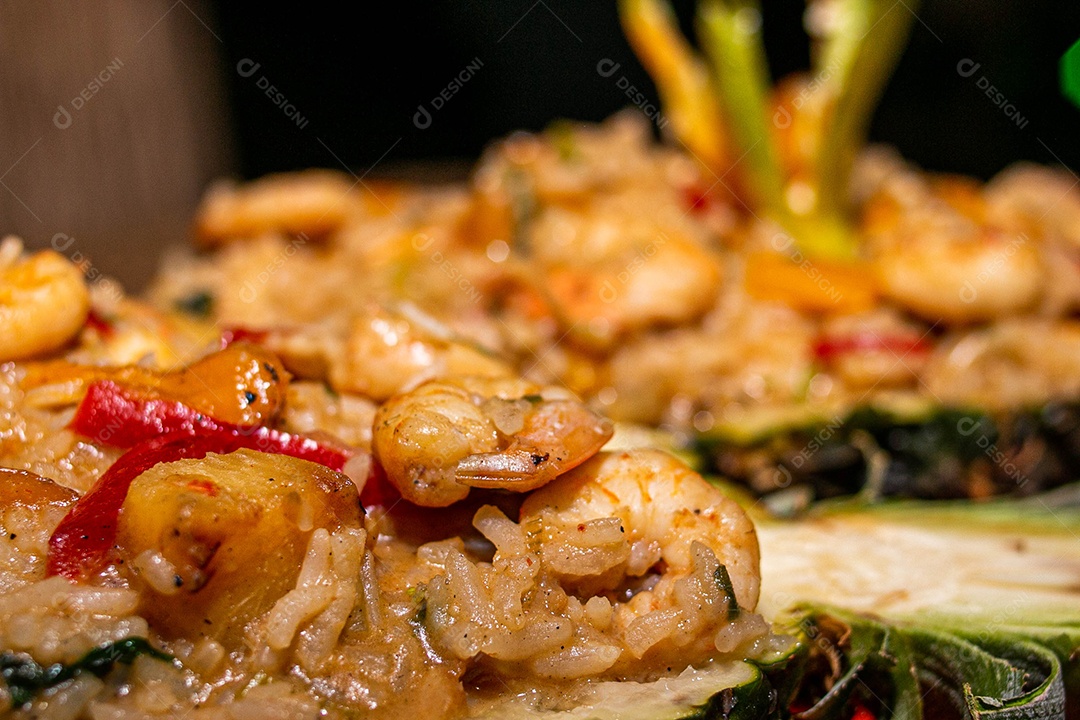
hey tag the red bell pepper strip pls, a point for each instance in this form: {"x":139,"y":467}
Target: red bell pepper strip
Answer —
{"x":157,"y":431}
{"x":112,"y":414}
{"x":99,"y":323}
{"x":83,"y":540}
{"x":378,"y":490}
{"x":827,"y":349}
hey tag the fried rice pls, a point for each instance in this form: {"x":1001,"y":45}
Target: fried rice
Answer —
{"x":351,"y":456}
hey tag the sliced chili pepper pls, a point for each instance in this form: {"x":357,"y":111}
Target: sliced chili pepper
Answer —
{"x":827,"y":349}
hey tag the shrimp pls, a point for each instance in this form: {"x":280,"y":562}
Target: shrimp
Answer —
{"x":387,"y":352}
{"x":616,"y":276}
{"x":667,"y":517}
{"x":1037,"y":197}
{"x":940,"y":253}
{"x":314,"y":203}
{"x":449,"y":435}
{"x":382,"y":352}
{"x":599,"y":220}
{"x":664,"y":508}
{"x":960,"y":279}
{"x":622,"y":567}
{"x":44,"y":302}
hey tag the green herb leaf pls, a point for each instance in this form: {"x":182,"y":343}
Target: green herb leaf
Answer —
{"x":1003,"y":676}
{"x":25,"y":677}
{"x":723,"y":581}
{"x":100,"y":660}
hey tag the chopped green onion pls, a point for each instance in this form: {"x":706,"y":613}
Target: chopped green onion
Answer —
{"x":858,"y":55}
{"x":731,"y":34}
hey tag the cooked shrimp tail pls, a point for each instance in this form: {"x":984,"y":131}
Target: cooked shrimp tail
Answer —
{"x":556,"y":437}
{"x":447,"y":435}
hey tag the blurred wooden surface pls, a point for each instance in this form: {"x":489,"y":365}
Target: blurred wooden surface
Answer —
{"x":112,"y":122}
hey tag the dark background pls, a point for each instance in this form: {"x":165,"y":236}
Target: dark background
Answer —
{"x":358,"y":82}
{"x":123,"y":180}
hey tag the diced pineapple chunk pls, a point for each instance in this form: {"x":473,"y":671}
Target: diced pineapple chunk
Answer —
{"x":214,"y":542}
